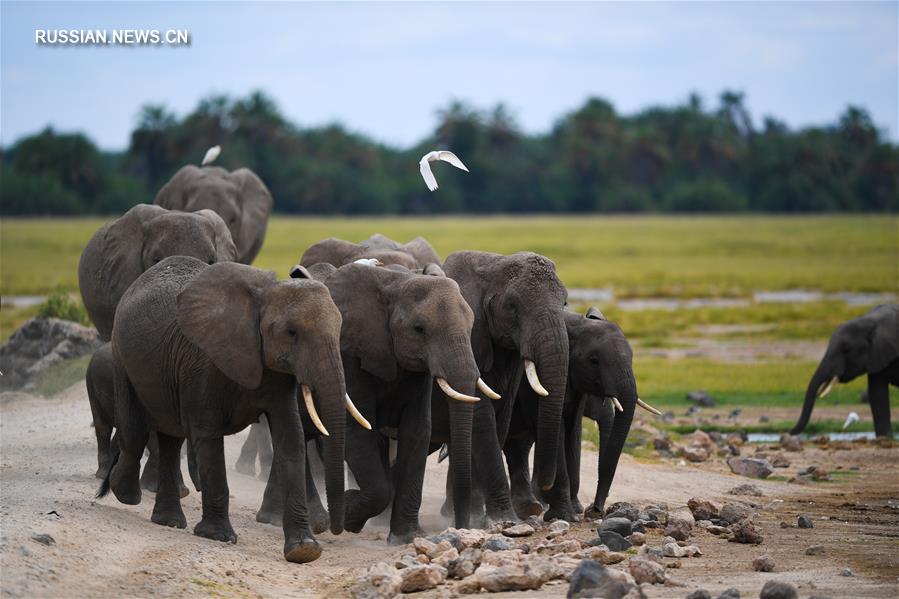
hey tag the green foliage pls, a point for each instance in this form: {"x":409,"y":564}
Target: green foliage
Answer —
{"x":60,"y":304}
{"x":684,"y":158}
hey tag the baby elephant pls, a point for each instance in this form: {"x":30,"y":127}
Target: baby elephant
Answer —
{"x":125,"y":247}
{"x":201,"y":352}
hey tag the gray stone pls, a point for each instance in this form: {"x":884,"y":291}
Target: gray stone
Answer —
{"x":622,"y":526}
{"x":465,"y":565}
{"x":746,"y":532}
{"x":846,"y":572}
{"x":679,"y":529}
{"x":421,"y":578}
{"x":452,"y":537}
{"x":623,"y":509}
{"x":805,"y":521}
{"x":763,"y":563}
{"x":699,"y":594}
{"x":702,"y":509}
{"x":591,"y":579}
{"x":815,"y":550}
{"x":637,"y":538}
{"x":790,"y":442}
{"x":778,"y":590}
{"x":614,"y":541}
{"x":746,"y":489}
{"x":497,"y":544}
{"x":557,"y":529}
{"x":730,"y":593}
{"x":646,"y":570}
{"x":520,"y":576}
{"x":519,"y":530}
{"x":751,"y":467}
{"x":734,"y":512}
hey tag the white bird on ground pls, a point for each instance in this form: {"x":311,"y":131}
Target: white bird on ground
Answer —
{"x":369,"y":262}
{"x":211,"y":154}
{"x":851,"y":419}
{"x":425,"y":167}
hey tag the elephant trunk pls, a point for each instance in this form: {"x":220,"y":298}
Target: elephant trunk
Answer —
{"x":548,"y":346}
{"x":331,"y":394}
{"x":822,"y":375}
{"x":624,"y":387}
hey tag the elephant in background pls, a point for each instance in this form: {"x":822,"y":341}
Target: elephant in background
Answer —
{"x":201,"y":352}
{"x":239,"y":197}
{"x":417,"y":254}
{"x":868,"y":345}
{"x":600,"y":381}
{"x":125,"y":247}
{"x":519,"y":330}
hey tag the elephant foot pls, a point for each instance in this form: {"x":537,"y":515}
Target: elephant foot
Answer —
{"x":303,"y":551}
{"x":183,"y":491}
{"x":593,"y":512}
{"x":501,"y":515}
{"x":577,"y":506}
{"x":446,"y":510}
{"x":125,"y":485}
{"x":319,"y":521}
{"x":149,"y":480}
{"x":354,"y":517}
{"x":217,"y":530}
{"x":566,"y":514}
{"x":402,"y":538}
{"x":268,"y":515}
{"x":172,"y":517}
{"x":527,"y":507}
{"x":246,"y":465}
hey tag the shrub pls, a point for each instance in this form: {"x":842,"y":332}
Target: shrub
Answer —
{"x":60,"y":304}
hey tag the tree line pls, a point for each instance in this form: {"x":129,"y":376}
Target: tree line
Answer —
{"x":684,"y":158}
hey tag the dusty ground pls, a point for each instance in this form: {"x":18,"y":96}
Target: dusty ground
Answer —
{"x":106,"y":549}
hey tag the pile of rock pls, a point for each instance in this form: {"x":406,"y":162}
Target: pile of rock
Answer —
{"x":732,"y":520}
{"x":700,"y":446}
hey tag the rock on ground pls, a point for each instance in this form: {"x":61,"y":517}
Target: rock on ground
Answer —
{"x":699,"y":594}
{"x":421,"y":578}
{"x":614,"y":541}
{"x":746,"y":532}
{"x":622,"y":526}
{"x":790,"y":442}
{"x":730,"y":593}
{"x":381,"y":581}
{"x":40,"y":343}
{"x":752,"y":467}
{"x":679,"y":529}
{"x":591,"y":579}
{"x":702,"y":509}
{"x":746,"y":489}
{"x":805,"y":521}
{"x":646,"y":570}
{"x":815,"y":550}
{"x":778,"y":590}
{"x":519,"y":530}
{"x":763,"y":563}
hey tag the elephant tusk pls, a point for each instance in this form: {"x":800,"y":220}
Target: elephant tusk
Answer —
{"x":486,"y":390}
{"x":310,"y":407}
{"x":356,"y":414}
{"x":445,"y":387}
{"x":648,"y":407}
{"x":530,"y":369}
{"x":616,"y":403}
{"x":825,"y":388}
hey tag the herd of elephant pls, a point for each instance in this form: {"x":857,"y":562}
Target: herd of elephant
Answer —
{"x":375,"y":354}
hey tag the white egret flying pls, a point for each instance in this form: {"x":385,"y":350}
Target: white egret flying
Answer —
{"x":425,"y":167}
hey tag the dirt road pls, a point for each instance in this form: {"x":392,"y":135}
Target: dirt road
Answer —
{"x":104,"y":549}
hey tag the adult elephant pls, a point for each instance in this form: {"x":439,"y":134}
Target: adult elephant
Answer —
{"x":417,"y":254}
{"x":868,"y":345}
{"x":126,"y":246}
{"x":239,"y":197}
{"x":201,"y":352}
{"x":401,"y":331}
{"x":518,"y":330}
{"x":600,"y":376}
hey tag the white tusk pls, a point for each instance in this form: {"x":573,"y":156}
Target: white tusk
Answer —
{"x":310,"y":407}
{"x":356,"y":414}
{"x":648,"y":407}
{"x":616,"y":403}
{"x":486,"y":390}
{"x":825,"y":388}
{"x":445,"y":387}
{"x":530,"y":369}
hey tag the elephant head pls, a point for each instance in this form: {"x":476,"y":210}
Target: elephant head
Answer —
{"x":247,"y":322}
{"x":601,"y":368}
{"x":124,"y":248}
{"x":397,"y":321}
{"x":415,"y":255}
{"x":867,"y":344}
{"x":517,"y":302}
{"x":419,"y":248}
{"x":239,"y":197}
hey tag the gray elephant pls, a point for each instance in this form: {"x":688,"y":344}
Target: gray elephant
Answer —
{"x":239,"y":197}
{"x":601,"y":386}
{"x":202,"y":351}
{"x":868,"y":345}
{"x":126,"y":246}
{"x":518,"y":331}
{"x":417,"y":254}
{"x":401,"y":331}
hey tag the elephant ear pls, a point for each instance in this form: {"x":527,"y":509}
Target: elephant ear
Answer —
{"x":256,"y":206}
{"x":299,"y":272}
{"x":359,"y":292}
{"x":422,"y":251}
{"x":173,"y":194}
{"x":219,"y":313}
{"x":884,"y":339}
{"x":225,"y":250}
{"x":123,"y":245}
{"x":433,"y":270}
{"x":467,"y":268}
{"x":594,"y":314}
{"x":332,"y":251}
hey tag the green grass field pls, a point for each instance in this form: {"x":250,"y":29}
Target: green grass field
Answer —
{"x":639,"y":257}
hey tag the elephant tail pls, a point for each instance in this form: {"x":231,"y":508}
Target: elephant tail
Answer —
{"x":103,"y":491}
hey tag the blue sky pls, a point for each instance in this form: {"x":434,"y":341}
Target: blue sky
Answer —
{"x":385,"y":68}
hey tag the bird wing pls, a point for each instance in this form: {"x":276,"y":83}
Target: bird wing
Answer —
{"x":211,"y":154}
{"x":426,"y":174}
{"x":447,"y":156}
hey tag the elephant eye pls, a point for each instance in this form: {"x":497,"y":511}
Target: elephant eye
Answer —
{"x":419,"y":329}
{"x":291,"y":333}
{"x":594,"y":360}
{"x":156,"y":259}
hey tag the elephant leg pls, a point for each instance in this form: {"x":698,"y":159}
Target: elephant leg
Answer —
{"x":104,"y":451}
{"x":215,"y":523}
{"x":488,"y":469}
{"x":264,"y":447}
{"x":192,"y":466}
{"x":318,"y":515}
{"x":446,"y":510}
{"x":607,"y":418}
{"x":523,"y":501}
{"x":149,"y":478}
{"x":409,"y":470}
{"x":558,"y":497}
{"x":272,"y":509}
{"x":572,"y":450}
{"x":167,"y":509}
{"x":879,"y":400}
{"x":289,"y":460}
{"x":246,"y":462}
{"x":131,"y":436}
{"x":368,"y":463}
